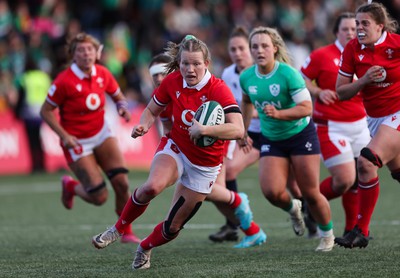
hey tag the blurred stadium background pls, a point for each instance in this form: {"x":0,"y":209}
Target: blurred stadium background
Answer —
{"x":33,"y":34}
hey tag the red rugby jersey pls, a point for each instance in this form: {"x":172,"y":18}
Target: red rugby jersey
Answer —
{"x":185,"y":102}
{"x":322,"y":66}
{"x":81,"y":99}
{"x":380,"y":98}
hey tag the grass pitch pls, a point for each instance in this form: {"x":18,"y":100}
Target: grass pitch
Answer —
{"x":39,"y":238}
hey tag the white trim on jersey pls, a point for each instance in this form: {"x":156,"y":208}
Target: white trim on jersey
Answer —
{"x":303,"y":95}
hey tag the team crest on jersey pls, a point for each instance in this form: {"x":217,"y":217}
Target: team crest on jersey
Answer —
{"x":361,"y":57}
{"x":203,"y":98}
{"x":78,"y":87}
{"x":275,"y":89}
{"x":100,"y":81}
{"x":93,"y":101}
{"x":389,"y":52}
{"x":336,"y":61}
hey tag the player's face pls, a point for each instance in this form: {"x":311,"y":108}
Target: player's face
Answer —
{"x":262,"y":50}
{"x":239,"y":52}
{"x":193,"y":67}
{"x":368,"y":31}
{"x":347,"y":30}
{"x":85,"y":56}
{"x":157,"y":78}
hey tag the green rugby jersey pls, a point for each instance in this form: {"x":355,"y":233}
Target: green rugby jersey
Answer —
{"x":276,"y":88}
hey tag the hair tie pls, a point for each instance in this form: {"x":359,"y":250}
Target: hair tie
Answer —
{"x":189,"y":37}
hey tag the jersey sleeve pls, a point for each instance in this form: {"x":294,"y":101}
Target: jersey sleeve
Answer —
{"x":296,"y":82}
{"x":346,"y":63}
{"x":56,"y":93}
{"x":111,"y":86}
{"x":161,"y":96}
{"x":224,"y":96}
{"x":310,"y":68}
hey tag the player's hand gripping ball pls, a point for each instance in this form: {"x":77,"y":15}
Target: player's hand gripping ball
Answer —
{"x":209,"y":113}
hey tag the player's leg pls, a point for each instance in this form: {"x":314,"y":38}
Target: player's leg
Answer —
{"x":306,"y":169}
{"x":273,"y":175}
{"x":110,"y":159}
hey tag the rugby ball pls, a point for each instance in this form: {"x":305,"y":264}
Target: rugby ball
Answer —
{"x":209,"y":113}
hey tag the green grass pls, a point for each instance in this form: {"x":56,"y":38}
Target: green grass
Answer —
{"x":39,"y":238}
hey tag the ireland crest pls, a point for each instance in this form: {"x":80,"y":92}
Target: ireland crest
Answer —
{"x":274,"y":89}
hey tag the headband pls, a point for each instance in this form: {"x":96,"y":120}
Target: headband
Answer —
{"x":158,"y":68}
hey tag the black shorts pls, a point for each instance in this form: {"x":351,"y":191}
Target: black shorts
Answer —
{"x":304,"y":143}
{"x":256,"y":137}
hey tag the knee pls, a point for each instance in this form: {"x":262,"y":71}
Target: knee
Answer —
{"x":341,"y":185}
{"x":364,"y":165}
{"x":153,"y":188}
{"x":98,"y":194}
{"x":273,"y":196}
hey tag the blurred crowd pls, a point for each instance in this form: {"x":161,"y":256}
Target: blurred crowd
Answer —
{"x":33,"y":34}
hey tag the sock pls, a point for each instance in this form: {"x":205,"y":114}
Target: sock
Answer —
{"x":368,"y":196}
{"x":326,"y":189}
{"x":252,"y":230}
{"x":71,"y":186}
{"x":156,"y":238}
{"x":231,"y":185}
{"x":235,"y":200}
{"x":350,"y":203}
{"x":128,"y":228}
{"x":290,"y":207}
{"x":132,"y":210}
{"x":326,"y":230}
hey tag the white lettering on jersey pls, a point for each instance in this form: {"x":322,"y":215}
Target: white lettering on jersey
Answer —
{"x":261,"y":105}
{"x":52,"y":89}
{"x":253,"y":90}
{"x":93,"y":101}
{"x":275,"y":89}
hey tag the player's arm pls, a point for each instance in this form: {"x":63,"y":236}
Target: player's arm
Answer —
{"x":47,"y":114}
{"x":346,"y":89}
{"x":247,"y":111}
{"x":326,"y":96}
{"x":232,"y":129}
{"x":122,"y":106}
{"x":302,"y":108}
{"x":149,"y":115}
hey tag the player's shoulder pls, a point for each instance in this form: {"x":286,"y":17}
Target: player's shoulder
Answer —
{"x":247,"y":72}
{"x":228,"y":71}
{"x":324,"y":50}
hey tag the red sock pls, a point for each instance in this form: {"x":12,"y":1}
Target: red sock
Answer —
{"x":368,"y":196}
{"x":326,"y":189}
{"x":252,"y":230}
{"x":156,"y":238}
{"x":132,"y":210}
{"x":128,"y":228}
{"x":235,"y":200}
{"x":350,"y":204}
{"x":71,"y":185}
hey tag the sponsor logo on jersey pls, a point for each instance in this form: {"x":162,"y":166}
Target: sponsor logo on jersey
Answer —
{"x":360,"y":57}
{"x":342,"y":142}
{"x":93,"y":101}
{"x":78,"y":87}
{"x":253,"y":90}
{"x":336,"y":61}
{"x":177,"y":94}
{"x":52,"y":89}
{"x":275,"y":89}
{"x":187,"y":117}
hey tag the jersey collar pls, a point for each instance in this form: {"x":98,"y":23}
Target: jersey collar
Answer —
{"x":339,"y":46}
{"x":268,"y":75}
{"x":381,"y":40}
{"x":79,"y":73}
{"x":199,"y":85}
